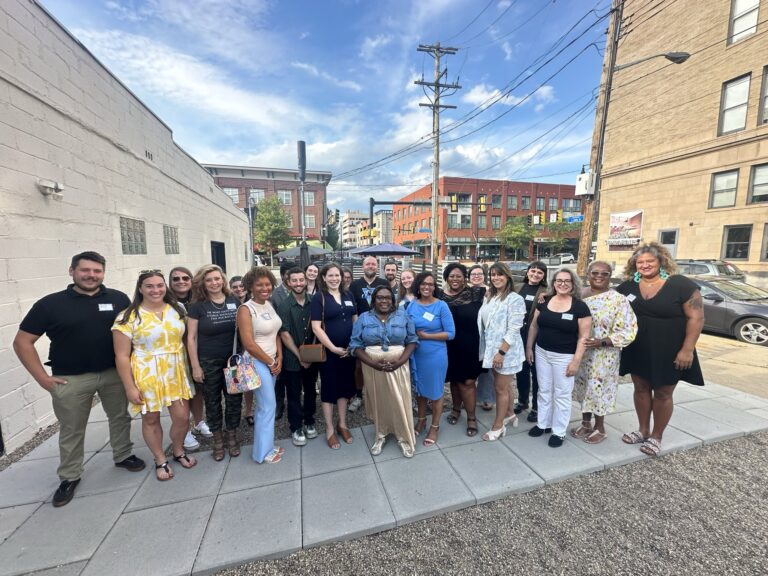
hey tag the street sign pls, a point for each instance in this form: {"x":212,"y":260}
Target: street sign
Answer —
{"x":579,"y":218}
{"x":425,"y":231}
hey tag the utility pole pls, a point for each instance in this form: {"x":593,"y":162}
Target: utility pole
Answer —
{"x":591,"y":204}
{"x":438,"y":88}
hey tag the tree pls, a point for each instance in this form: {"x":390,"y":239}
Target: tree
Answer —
{"x":559,"y":233}
{"x":516,"y":234}
{"x":332,"y":235}
{"x":271,"y":226}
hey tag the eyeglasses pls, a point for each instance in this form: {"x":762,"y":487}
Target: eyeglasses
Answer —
{"x":600,"y":274}
{"x":563,"y":282}
{"x":180,"y":279}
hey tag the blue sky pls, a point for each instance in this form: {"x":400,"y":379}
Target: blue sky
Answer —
{"x":240,"y":81}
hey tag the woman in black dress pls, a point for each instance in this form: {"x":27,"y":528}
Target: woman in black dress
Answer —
{"x":333,"y":314}
{"x":670,"y":316}
{"x":464,"y":365}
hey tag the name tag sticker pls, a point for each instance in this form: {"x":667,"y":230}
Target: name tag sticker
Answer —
{"x":266,"y":316}
{"x":106,"y":307}
{"x":231,"y":306}
{"x":348,"y":303}
{"x":631,"y":297}
{"x":529,"y":297}
{"x":567,"y":316}
{"x":428,"y":316}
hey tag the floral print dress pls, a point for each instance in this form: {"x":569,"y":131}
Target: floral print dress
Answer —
{"x":597,"y":381}
{"x":158,"y":358}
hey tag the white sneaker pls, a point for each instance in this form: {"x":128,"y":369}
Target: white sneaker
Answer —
{"x":355,"y":404}
{"x":190,"y":442}
{"x":310,"y":432}
{"x":298,"y":438}
{"x":202,"y":429}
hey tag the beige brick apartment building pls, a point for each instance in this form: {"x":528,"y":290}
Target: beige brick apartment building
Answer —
{"x":686,"y":149}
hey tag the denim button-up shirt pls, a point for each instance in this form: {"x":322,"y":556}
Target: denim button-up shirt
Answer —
{"x":369,"y":330}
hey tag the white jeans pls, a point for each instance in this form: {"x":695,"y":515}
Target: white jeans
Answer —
{"x":555,"y":389}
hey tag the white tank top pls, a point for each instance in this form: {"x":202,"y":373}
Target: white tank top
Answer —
{"x":266,"y":324}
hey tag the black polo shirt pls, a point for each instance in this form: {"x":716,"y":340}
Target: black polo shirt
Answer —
{"x":362,"y":291}
{"x":296,"y":321}
{"x":79,"y":328}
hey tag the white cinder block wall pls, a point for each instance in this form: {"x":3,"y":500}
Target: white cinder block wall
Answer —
{"x":65,"y":118}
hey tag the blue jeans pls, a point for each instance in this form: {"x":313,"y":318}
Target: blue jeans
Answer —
{"x":263,"y":413}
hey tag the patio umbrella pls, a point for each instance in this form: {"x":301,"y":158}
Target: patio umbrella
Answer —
{"x":295,"y":251}
{"x":386,"y":249}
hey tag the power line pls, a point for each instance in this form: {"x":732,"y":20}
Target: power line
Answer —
{"x":500,"y":16}
{"x":515,"y":29}
{"x":471,"y":21}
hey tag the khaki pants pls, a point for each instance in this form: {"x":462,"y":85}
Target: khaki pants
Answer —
{"x":72,"y":405}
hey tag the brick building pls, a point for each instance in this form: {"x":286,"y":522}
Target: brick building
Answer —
{"x":242,"y":182}
{"x":469,"y":231}
{"x":686,"y":146}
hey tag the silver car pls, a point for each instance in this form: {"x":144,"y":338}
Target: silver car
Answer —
{"x":735,"y":308}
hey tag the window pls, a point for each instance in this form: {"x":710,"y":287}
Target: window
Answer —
{"x":309,"y":198}
{"x":553,"y":204}
{"x":233,"y":193}
{"x":466,"y":221}
{"x":285,"y":197}
{"x":733,"y":105}
{"x":758,"y":184}
{"x":290,"y":220}
{"x":526,"y":203}
{"x":171,"y":239}
{"x":495,"y":222}
{"x":453,"y":221}
{"x":576,"y":205}
{"x":736,"y":242}
{"x":256,"y":195}
{"x":539,"y":203}
{"x":424,"y":223}
{"x":763,"y":117}
{"x":133,"y":236}
{"x":511,"y":202}
{"x":723,"y":191}
{"x":764,"y":251}
{"x":496,"y":201}
{"x":482,"y":223}
{"x":668,"y":238}
{"x":309,"y":220}
{"x":743,"y":19}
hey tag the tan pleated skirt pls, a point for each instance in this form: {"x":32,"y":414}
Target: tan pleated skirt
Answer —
{"x":388,"y":396}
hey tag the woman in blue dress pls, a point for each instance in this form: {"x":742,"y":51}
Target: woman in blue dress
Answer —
{"x":434,"y":326}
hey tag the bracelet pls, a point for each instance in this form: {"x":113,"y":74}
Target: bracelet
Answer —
{"x":502,"y":352}
{"x":274,"y":362}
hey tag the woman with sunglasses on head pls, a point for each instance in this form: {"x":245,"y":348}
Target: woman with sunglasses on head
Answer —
{"x":534,"y":285}
{"x":181,"y":287}
{"x":501,"y":347}
{"x":556,"y":342}
{"x":433,"y":322}
{"x":209,"y":341}
{"x":148,"y":338}
{"x":614,"y":326}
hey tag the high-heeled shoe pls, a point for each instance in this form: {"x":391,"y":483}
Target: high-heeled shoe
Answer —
{"x":514,"y":420}
{"x":421,"y":423}
{"x":493,"y":435}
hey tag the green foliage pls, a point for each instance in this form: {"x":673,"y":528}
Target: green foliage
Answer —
{"x":559,"y":233}
{"x":516,"y":234}
{"x":271,"y":225}
{"x":332,"y":235}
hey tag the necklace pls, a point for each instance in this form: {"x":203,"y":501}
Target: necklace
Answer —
{"x":647,"y":283}
{"x":219,"y":306}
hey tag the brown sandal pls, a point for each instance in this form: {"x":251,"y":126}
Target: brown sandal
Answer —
{"x":233,"y":443}
{"x":218,"y":446}
{"x":333,"y":442}
{"x":345,"y":434}
{"x":185,"y":461}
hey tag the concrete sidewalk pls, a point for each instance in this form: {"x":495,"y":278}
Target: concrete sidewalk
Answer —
{"x":228,"y":513}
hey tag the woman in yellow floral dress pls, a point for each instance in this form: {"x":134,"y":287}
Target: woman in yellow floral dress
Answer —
{"x":148,"y":338}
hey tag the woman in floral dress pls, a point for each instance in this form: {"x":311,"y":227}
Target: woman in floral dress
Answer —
{"x":614,"y":326}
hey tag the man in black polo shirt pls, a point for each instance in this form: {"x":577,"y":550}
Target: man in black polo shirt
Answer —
{"x":295,"y":331}
{"x":362,"y":289}
{"x":78,"y":322}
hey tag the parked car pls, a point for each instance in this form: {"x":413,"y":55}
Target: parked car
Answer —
{"x":566,"y":258}
{"x":518,"y":270}
{"x":709,"y":267}
{"x":735,"y":308}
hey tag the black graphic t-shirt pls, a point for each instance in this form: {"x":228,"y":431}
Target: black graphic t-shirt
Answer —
{"x":362,"y":291}
{"x":216,"y":327}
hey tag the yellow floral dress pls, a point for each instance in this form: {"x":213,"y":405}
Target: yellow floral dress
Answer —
{"x":158,"y":358}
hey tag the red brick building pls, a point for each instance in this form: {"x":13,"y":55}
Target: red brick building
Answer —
{"x":240,"y":182}
{"x":468,"y":230}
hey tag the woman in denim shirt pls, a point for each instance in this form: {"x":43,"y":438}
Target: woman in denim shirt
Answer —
{"x":384,"y":339}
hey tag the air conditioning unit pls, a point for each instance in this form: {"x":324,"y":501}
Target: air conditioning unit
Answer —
{"x":585,"y":184}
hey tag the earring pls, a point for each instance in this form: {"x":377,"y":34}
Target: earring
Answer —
{"x":636,"y":277}
{"x":663,"y":274}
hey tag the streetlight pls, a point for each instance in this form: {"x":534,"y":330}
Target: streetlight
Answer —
{"x":592,"y":206}
{"x":249,"y":212}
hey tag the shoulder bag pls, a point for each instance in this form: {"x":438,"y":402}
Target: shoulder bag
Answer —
{"x":311,"y":353}
{"x":239,"y":373}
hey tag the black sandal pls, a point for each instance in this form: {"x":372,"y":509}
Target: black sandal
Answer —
{"x":454,"y":416}
{"x":167,"y":469}
{"x":249,"y":420}
{"x":184,"y":460}
{"x":471,"y":427}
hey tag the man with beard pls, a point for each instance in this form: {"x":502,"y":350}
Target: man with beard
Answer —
{"x":390,"y":275}
{"x":299,"y":376}
{"x":362,"y":290}
{"x":78,"y":322}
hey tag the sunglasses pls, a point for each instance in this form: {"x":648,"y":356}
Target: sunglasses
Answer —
{"x":180,"y":279}
{"x":600,"y":274}
{"x":158,"y":272}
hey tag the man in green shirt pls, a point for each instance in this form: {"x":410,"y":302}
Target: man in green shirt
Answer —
{"x":299,"y":376}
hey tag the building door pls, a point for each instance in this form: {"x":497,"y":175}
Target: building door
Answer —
{"x":668,"y":238}
{"x":218,"y":256}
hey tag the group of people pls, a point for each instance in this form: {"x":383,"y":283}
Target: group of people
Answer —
{"x":385,"y":341}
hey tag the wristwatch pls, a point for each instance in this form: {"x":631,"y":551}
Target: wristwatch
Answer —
{"x":603,"y":343}
{"x":502,"y":352}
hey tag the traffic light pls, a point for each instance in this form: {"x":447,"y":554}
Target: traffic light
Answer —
{"x":559,"y":215}
{"x":542,"y":217}
{"x":454,"y":202}
{"x":529,"y":220}
{"x":338,"y":217}
{"x":482,"y":201}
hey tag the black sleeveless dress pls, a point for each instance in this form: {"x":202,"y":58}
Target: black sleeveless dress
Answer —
{"x":464,"y":350}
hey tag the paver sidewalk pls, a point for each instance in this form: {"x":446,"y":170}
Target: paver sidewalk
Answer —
{"x":223,"y":514}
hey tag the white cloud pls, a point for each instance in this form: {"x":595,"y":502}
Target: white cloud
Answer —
{"x":504,"y":4}
{"x":314,"y":71}
{"x":507,"y":50}
{"x":370,"y":45}
{"x":484,"y":95}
